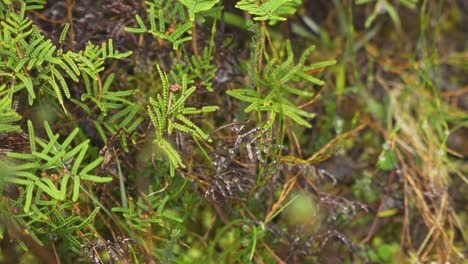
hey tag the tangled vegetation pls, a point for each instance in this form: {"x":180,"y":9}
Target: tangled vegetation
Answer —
{"x":250,"y":131}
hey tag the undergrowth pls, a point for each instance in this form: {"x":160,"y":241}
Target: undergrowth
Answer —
{"x":232,"y":131}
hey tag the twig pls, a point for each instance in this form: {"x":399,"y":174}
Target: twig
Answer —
{"x":70,"y":4}
{"x":194,"y":39}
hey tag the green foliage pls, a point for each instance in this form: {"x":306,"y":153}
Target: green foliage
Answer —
{"x":196,"y":6}
{"x":273,"y":10}
{"x":30,"y":61}
{"x":52,"y":158}
{"x":49,"y":179}
{"x":383,"y":252}
{"x":250,"y":187}
{"x":68,"y":226}
{"x":64,"y":33}
{"x":118,"y":114}
{"x":387,"y":160}
{"x":161,"y":15}
{"x":48,"y":222}
{"x":7,"y":115}
{"x":168,"y":112}
{"x":197,"y":69}
{"x":280,"y":80}
{"x":148,"y":210}
{"x":49,"y":174}
{"x":384,"y":6}
{"x":29,"y":5}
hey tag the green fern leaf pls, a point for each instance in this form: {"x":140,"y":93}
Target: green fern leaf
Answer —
{"x":272,"y":10}
{"x":196,"y":6}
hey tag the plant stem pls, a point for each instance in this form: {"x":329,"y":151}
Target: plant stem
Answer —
{"x":194,"y":39}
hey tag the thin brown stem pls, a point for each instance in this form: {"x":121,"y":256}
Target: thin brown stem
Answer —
{"x":270,"y":43}
{"x":194,"y":39}
{"x":70,"y":4}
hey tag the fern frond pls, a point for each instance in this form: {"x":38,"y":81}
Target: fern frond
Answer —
{"x":196,"y":6}
{"x":272,"y":10}
{"x":246,"y":95}
{"x":27,"y":81}
{"x":168,"y":111}
{"x":168,"y":12}
{"x":7,"y":115}
{"x":141,"y":29}
{"x":276,"y":81}
{"x":64,"y":33}
{"x":53,"y":157}
{"x":171,"y":154}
